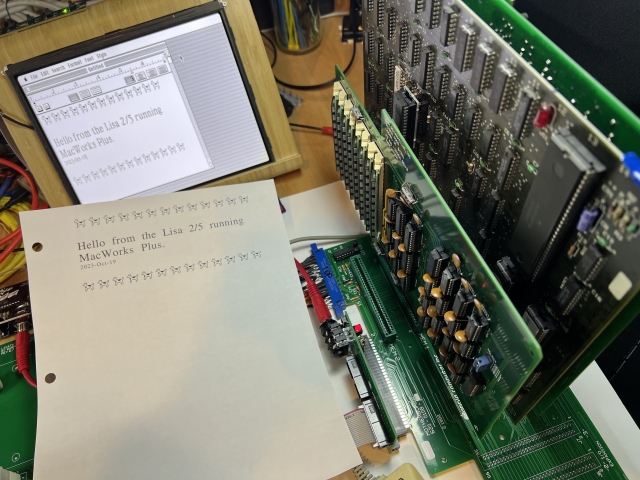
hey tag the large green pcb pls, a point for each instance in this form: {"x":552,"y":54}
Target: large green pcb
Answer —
{"x":560,"y":443}
{"x":18,"y":406}
{"x":597,"y":104}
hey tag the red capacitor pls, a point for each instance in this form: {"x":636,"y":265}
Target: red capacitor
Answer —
{"x":544,"y":115}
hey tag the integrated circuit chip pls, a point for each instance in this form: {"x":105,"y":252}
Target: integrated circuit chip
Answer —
{"x":567,"y":173}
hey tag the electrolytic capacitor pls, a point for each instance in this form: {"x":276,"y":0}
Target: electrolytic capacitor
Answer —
{"x":429,"y":283}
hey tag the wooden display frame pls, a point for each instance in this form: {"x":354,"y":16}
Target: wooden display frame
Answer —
{"x":111,"y":15}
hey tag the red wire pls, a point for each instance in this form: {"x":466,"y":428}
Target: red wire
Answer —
{"x":321,"y":309}
{"x":22,"y":356}
{"x":16,"y":235}
{"x":22,"y":338}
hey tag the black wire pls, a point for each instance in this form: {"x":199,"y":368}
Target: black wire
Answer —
{"x":326,"y":84}
{"x":6,"y":7}
{"x":21,"y":249}
{"x":273,"y":47}
{"x":13,"y":120}
{"x":13,"y":201}
{"x":305,"y":126}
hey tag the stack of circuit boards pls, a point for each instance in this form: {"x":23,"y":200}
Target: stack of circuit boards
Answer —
{"x":444,"y":351}
{"x":503,"y":210}
{"x":525,"y":148}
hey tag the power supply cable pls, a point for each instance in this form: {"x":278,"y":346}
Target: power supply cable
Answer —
{"x":319,"y":86}
{"x":319,"y":307}
{"x":6,"y":7}
{"x":23,"y":340}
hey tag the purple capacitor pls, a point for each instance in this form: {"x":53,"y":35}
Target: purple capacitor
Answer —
{"x":588,"y":219}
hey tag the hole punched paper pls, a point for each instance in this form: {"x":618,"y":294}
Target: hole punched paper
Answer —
{"x":180,"y":343}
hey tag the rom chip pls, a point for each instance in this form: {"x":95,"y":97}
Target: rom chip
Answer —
{"x":479,"y":183}
{"x":503,"y":89}
{"x":448,"y":146}
{"x":449,"y":26}
{"x":455,"y":200}
{"x":570,"y":295}
{"x":568,"y":172}
{"x":525,"y":113}
{"x":465,"y":48}
{"x":483,"y":67}
{"x":441,"y":83}
{"x":506,"y":169}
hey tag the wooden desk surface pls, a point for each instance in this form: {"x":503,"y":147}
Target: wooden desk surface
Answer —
{"x":318,"y":167}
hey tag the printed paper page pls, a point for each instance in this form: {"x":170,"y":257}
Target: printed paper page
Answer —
{"x":178,"y":336}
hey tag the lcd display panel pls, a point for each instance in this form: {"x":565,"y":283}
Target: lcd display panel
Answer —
{"x":147,"y":113}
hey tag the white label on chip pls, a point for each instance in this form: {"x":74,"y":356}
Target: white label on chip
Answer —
{"x":398,"y":77}
{"x":428,"y":450}
{"x":620,"y":285}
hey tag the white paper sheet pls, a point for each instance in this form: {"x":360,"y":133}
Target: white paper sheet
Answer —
{"x":187,"y":355}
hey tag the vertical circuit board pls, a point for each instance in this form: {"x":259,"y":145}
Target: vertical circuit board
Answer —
{"x":459,"y":348}
{"x":489,"y":106}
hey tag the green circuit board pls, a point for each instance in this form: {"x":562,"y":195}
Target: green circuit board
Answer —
{"x":18,"y":412}
{"x":560,"y":442}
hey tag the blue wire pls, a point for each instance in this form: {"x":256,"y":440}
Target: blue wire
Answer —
{"x":283,"y":23}
{"x":5,"y":186}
